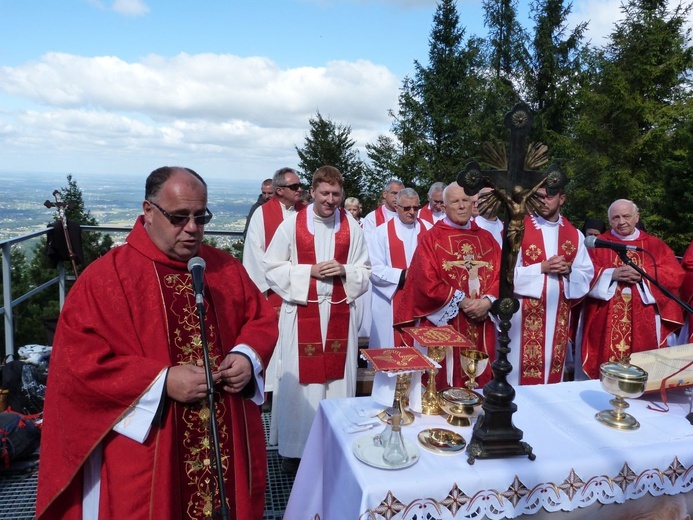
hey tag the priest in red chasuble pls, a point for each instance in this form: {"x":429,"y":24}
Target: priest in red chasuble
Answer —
{"x":686,"y":334}
{"x":553,"y":272}
{"x":452,"y":280}
{"x":624,"y":312}
{"x":126,"y":431}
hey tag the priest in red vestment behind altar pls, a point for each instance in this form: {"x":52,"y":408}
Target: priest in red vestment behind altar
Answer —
{"x":686,"y":334}
{"x":126,"y":425}
{"x":452,"y":280}
{"x":625,"y":313}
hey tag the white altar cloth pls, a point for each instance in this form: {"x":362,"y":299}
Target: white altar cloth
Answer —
{"x":579,"y":462}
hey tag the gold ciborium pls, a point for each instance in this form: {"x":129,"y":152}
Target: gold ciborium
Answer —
{"x":621,"y":379}
{"x":429,"y":399}
{"x":474,"y":362}
{"x":459,"y":404}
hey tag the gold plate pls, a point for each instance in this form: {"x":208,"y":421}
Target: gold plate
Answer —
{"x":440,"y":440}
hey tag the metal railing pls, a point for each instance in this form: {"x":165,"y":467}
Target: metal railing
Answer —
{"x":8,"y":304}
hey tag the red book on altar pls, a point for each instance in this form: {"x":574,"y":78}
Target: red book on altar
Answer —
{"x":445,"y":336}
{"x":396,"y":359}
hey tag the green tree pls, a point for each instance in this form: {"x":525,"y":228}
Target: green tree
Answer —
{"x":329,"y":143}
{"x":437,"y":119}
{"x":34,"y":315}
{"x":635,"y":120}
{"x":555,"y":72}
{"x":507,"y":40}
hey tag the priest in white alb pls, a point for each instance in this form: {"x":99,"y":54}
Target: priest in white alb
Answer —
{"x":318,"y":263}
{"x":553,"y":272}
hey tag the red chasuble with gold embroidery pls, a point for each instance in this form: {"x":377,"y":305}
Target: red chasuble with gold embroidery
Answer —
{"x":449,"y":259}
{"x":687,"y":286}
{"x":532,"y":349}
{"x":318,"y":363}
{"x":128,"y":317}
{"x":624,"y":324}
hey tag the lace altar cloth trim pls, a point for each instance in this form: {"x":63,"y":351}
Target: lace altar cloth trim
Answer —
{"x":517,"y":500}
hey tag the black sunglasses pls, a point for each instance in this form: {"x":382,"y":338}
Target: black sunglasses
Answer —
{"x":292,"y":187}
{"x":182,"y":220}
{"x":409,"y":208}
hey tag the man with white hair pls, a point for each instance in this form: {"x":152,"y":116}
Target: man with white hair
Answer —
{"x":453,"y":279}
{"x":384,"y":212}
{"x":433,"y":211}
{"x":391,"y":249}
{"x":625,"y":313}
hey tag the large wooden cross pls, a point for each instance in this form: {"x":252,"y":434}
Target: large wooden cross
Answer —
{"x":515,"y":189}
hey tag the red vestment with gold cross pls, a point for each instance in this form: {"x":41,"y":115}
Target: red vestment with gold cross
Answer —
{"x":446,"y":260}
{"x":624,"y":324}
{"x":128,"y":317}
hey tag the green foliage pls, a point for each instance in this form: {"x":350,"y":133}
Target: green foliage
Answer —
{"x":329,"y":143}
{"x":30,"y":316}
{"x":633,"y":137}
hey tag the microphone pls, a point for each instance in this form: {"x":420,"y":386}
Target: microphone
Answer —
{"x":592,"y":242}
{"x":196,"y":266}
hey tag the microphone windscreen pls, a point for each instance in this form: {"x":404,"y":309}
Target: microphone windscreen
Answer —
{"x":590,"y":242}
{"x":196,"y":261}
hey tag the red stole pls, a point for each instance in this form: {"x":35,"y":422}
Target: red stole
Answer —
{"x":426,"y":214}
{"x":533,"y":339}
{"x":398,"y":260}
{"x":272,"y":216}
{"x":380,"y":217}
{"x":317,"y":364}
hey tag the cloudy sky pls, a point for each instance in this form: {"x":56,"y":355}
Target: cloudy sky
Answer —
{"x":224,"y":87}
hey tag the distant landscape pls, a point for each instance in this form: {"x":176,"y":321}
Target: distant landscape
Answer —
{"x":113,"y":201}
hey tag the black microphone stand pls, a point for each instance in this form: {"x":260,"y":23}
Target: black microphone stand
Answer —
{"x":623,"y":255}
{"x":224,"y":512}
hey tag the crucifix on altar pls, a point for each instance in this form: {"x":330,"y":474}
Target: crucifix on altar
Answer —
{"x":514,"y":181}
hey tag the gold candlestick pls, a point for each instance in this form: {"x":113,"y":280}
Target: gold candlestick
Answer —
{"x":429,"y":400}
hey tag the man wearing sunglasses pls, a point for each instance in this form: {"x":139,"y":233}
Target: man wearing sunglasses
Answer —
{"x":128,"y":353}
{"x":263,"y":224}
{"x":391,"y":249}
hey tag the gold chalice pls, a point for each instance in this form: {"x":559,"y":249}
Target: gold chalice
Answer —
{"x":621,"y":379}
{"x":429,"y":399}
{"x":474,"y":362}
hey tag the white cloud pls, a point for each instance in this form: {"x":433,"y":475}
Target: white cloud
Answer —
{"x":206,"y":106}
{"x":601,"y":15}
{"x":130,"y":7}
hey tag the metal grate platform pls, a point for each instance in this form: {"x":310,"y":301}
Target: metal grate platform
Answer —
{"x":18,"y":487}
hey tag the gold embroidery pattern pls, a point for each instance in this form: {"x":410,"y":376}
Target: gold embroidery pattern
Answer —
{"x":621,"y":326}
{"x":186,"y":345}
{"x":560,"y":336}
{"x":524,"y":499}
{"x":533,"y":252}
{"x":533,"y":338}
{"x":568,"y":248}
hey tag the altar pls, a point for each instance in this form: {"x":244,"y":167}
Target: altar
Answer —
{"x":583,"y":469}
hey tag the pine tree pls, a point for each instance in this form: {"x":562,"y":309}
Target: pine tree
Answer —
{"x":329,"y":143}
{"x":439,"y":109}
{"x":635,"y":120}
{"x":555,"y":71}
